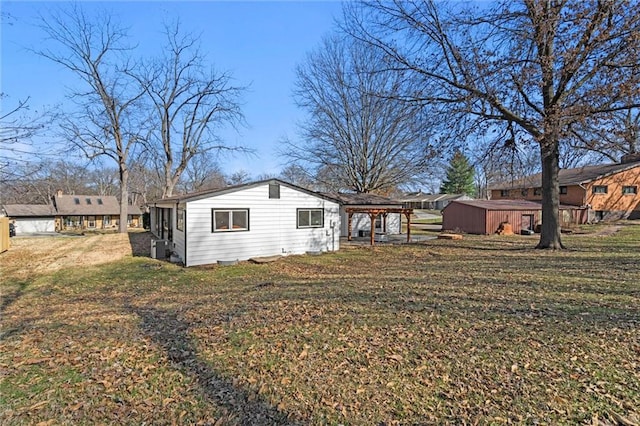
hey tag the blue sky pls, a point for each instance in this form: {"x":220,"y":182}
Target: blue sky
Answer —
{"x":259,"y":42}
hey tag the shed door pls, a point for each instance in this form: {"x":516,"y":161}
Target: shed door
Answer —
{"x":527,"y":221}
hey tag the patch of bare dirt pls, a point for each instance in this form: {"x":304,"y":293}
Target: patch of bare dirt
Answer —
{"x":603,"y":232}
{"x":29,"y":255}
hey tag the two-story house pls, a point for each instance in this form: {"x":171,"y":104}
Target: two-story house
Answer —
{"x":609,"y":191}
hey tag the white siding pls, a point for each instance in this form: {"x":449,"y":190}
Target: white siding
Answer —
{"x":361,"y":221}
{"x":272,"y":226}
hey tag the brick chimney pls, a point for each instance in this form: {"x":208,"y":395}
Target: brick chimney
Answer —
{"x":630,"y":158}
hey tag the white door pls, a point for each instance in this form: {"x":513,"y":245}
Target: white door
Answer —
{"x":33,"y":225}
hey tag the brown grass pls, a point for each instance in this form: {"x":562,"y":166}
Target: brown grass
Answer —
{"x":481,"y":331}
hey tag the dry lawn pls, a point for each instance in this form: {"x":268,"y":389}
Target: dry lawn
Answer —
{"x":481,"y":331}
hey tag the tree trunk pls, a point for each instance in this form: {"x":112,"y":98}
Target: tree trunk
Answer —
{"x":124,"y":199}
{"x":550,"y":235}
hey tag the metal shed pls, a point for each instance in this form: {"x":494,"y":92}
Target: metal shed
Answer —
{"x":485,"y":216}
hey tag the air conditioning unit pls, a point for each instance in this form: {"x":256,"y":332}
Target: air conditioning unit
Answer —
{"x":159,"y":249}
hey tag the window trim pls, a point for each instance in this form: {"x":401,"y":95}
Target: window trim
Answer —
{"x":181,"y":215}
{"x":629,"y":190}
{"x":309,"y":209}
{"x":600,"y":189}
{"x":230,"y":211}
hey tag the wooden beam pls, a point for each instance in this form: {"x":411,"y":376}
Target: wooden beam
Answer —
{"x":349,"y":216}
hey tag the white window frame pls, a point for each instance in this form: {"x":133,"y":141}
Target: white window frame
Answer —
{"x":600,"y":189}
{"x":231,"y":213}
{"x":309,"y":211}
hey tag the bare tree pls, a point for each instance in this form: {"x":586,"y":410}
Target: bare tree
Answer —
{"x":202,"y":173}
{"x":17,"y":128}
{"x":40,"y":181}
{"x":297,"y":175}
{"x":191,"y":102}
{"x":611,"y":138}
{"x":239,"y":177}
{"x":536,"y":67}
{"x":105,"y":122}
{"x":370,"y":142}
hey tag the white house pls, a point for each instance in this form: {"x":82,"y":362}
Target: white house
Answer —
{"x":264,"y":218}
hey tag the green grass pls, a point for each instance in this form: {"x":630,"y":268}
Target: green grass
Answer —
{"x":485,"y":330}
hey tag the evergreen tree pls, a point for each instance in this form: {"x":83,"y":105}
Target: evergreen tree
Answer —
{"x":459,"y":176}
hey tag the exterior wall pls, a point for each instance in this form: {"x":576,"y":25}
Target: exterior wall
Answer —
{"x":361,"y":221}
{"x":614,"y":201}
{"x":100,"y":223}
{"x":514,"y":217}
{"x":575,"y":195}
{"x":477,"y":220}
{"x":465,"y":218}
{"x":272,"y":227}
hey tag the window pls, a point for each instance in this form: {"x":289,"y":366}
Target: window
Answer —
{"x":563,"y":190}
{"x":310,"y":218}
{"x":629,"y":190}
{"x":88,"y":201}
{"x":504,"y":192}
{"x":230,"y":220}
{"x":274,"y":190}
{"x":525,"y":192}
{"x":180,"y":219}
{"x":599,"y":189}
{"x":77,"y":201}
{"x":100,"y":201}
{"x":91,"y":221}
{"x":106,"y":220}
{"x":537,"y":191}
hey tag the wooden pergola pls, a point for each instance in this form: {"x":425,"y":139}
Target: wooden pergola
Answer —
{"x":373,"y":213}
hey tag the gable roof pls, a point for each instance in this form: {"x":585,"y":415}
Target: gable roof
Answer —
{"x":505,"y":204}
{"x":82,"y":205}
{"x":194,"y":196}
{"x":29,"y":210}
{"x":567,"y":177}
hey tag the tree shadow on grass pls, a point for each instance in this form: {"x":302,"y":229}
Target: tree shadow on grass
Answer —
{"x":238,"y":406}
{"x":140,"y":243}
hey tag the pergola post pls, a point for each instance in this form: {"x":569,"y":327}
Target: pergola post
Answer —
{"x":408,"y":215}
{"x":349,"y":216}
{"x":372,"y":216}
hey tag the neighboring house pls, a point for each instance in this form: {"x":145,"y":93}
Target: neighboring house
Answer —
{"x":430,"y":201}
{"x":265,"y":218}
{"x":356,"y":211}
{"x":485,"y":216}
{"x":608,"y":191}
{"x":66,"y":212}
{"x":92,"y":212}
{"x":31,"y":218}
